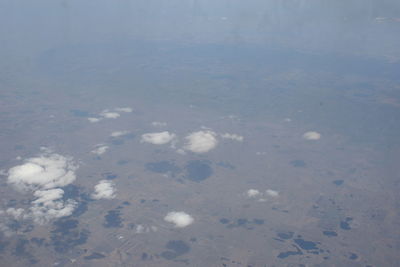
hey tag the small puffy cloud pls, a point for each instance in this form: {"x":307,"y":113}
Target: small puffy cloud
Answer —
{"x":179,"y":218}
{"x":159,"y":124}
{"x":100,"y":149}
{"x":272,"y":193}
{"x":50,"y":205}
{"x":43,"y":172}
{"x":109,"y":114}
{"x":140,"y":229}
{"x":201,"y":141}
{"x":104,"y":190}
{"x":160,"y":138}
{"x":126,"y":109}
{"x":234,"y":137}
{"x":312,"y":136}
{"x":119,"y":133}
{"x":93,"y":120}
{"x":253,"y":193}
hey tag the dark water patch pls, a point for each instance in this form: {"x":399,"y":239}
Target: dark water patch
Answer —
{"x":142,"y":201}
{"x":63,"y":243}
{"x":122,"y":162}
{"x":20,"y":248}
{"x":79,"y":113}
{"x":224,"y":220}
{"x":298,"y":163}
{"x":226,"y":165}
{"x":144,"y":256}
{"x":71,"y":191}
{"x":126,"y":203}
{"x":241,"y":222}
{"x":19,"y":226}
{"x":3,"y":245}
{"x":338,"y":182}
{"x":306,"y":245}
{"x":66,"y":235}
{"x":163,"y":167}
{"x":21,"y":251}
{"x":285,"y":235}
{"x":175,"y":248}
{"x":117,"y":142}
{"x":14,"y":225}
{"x":353,"y":256}
{"x":38,"y":241}
{"x":169,"y":255}
{"x":64,"y":226}
{"x":345,"y":225}
{"x":258,"y":221}
{"x":94,"y":256}
{"x":19,"y":147}
{"x":198,"y":170}
{"x":113,"y":219}
{"x":82,"y":198}
{"x":11,"y":203}
{"x":109,"y":175}
{"x":284,"y":255}
{"x":330,"y":233}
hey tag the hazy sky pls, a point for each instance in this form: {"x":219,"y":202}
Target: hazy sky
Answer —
{"x":366,"y":27}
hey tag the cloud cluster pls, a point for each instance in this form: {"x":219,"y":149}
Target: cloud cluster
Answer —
{"x":160,"y":138}
{"x":104,"y":190}
{"x":43,"y":175}
{"x":269,"y":193}
{"x":141,"y":229}
{"x":49,"y":205}
{"x":312,"y":136}
{"x":234,"y":137}
{"x":110,"y":114}
{"x":253,"y":193}
{"x":119,"y":133}
{"x":272,"y":193}
{"x":179,"y":218}
{"x":100,"y":149}
{"x":44,"y":172}
{"x":201,"y":141}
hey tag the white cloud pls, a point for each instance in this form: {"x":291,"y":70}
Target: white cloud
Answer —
{"x":253,"y":193}
{"x":312,"y":136}
{"x":272,"y":193}
{"x":44,"y":172}
{"x":93,"y":120}
{"x":100,"y":149}
{"x":179,"y":218}
{"x":49,"y":205}
{"x":126,"y":109}
{"x":159,"y":124}
{"x":15,"y":213}
{"x":201,"y":141}
{"x":119,"y":133}
{"x":160,"y":138}
{"x":109,"y":114}
{"x":234,"y":137}
{"x":104,"y":189}
{"x":43,"y":175}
